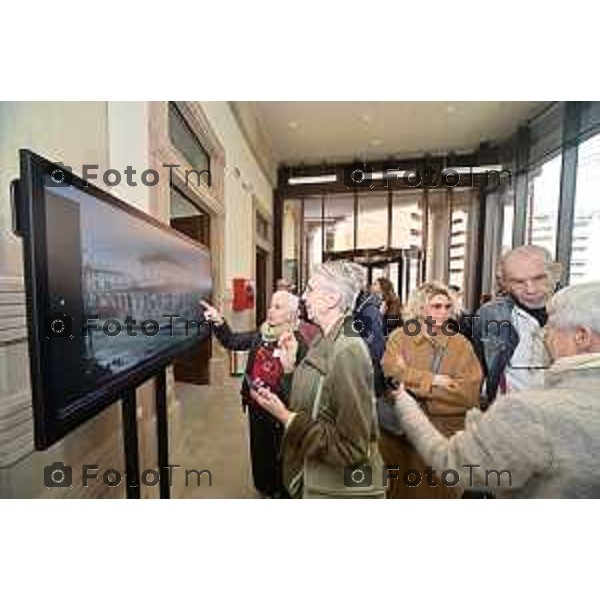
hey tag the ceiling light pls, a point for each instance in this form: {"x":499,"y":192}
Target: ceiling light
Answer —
{"x":476,"y":170}
{"x":293,"y":125}
{"x":316,"y":179}
{"x":376,"y":143}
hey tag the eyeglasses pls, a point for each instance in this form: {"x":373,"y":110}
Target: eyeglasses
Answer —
{"x":523,"y":283}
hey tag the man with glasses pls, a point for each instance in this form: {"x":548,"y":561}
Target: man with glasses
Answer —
{"x":507,"y":331}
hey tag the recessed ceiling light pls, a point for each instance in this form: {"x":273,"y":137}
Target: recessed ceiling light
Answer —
{"x":293,"y":125}
{"x":366,"y":119}
{"x":375,"y":143}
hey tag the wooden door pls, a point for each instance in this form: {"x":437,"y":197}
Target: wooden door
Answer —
{"x":193,"y":366}
{"x":261,"y":286}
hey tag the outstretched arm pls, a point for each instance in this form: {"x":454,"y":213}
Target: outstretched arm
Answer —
{"x":501,"y":448}
{"x":227,"y":338}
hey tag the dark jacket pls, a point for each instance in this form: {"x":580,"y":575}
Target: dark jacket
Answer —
{"x":494,"y":340}
{"x":369,"y":321}
{"x":366,"y":309}
{"x":251,"y":341}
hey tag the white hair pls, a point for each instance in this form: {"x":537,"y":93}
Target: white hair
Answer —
{"x":529,"y":250}
{"x":340,"y":276}
{"x":293,"y":303}
{"x":358,"y":273}
{"x":576,"y":306}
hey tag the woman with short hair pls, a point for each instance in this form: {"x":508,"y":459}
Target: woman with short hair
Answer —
{"x":437,"y":365}
{"x":330,"y":445}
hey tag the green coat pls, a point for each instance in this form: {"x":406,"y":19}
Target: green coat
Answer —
{"x":336,"y":429}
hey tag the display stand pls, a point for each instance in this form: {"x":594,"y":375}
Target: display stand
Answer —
{"x":130,"y":443}
{"x":130,"y":438}
{"x":162,"y":433}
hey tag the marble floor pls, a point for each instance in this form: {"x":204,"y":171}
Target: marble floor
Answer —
{"x":210,"y":433}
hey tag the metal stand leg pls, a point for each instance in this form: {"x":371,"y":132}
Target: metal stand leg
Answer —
{"x":162,"y":434}
{"x":130,"y":442}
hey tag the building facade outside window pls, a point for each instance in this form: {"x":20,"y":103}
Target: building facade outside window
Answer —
{"x":585,"y":244}
{"x":543,"y":202}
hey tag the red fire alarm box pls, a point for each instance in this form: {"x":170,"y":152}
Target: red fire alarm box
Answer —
{"x":243,"y":294}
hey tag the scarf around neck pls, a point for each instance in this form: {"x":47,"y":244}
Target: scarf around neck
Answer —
{"x":539,"y":314}
{"x":271,"y":333}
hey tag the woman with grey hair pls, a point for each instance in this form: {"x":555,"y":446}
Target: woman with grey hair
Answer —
{"x":265,"y":366}
{"x":330,"y":447}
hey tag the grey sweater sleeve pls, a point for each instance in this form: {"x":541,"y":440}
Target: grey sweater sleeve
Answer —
{"x":501,"y":448}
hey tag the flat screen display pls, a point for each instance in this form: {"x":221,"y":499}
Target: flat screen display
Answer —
{"x":113,"y":295}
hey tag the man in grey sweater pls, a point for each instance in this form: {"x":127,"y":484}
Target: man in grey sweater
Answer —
{"x":539,"y":443}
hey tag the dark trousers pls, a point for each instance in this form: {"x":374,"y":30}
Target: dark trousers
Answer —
{"x":266,"y":434}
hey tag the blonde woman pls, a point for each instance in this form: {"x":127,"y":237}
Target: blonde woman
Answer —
{"x":437,"y":365}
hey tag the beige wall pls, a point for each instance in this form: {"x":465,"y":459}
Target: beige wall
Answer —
{"x":243,"y":180}
{"x":252,"y":125}
{"x":70,"y":132}
{"x":112,"y":135}
{"x":128,"y":144}
{"x":74,"y":133}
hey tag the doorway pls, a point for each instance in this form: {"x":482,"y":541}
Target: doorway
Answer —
{"x":261,"y":286}
{"x":403,"y":266}
{"x":189,"y":218}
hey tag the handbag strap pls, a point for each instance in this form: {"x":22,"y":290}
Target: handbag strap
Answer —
{"x":297,"y":482}
{"x":317,"y":403}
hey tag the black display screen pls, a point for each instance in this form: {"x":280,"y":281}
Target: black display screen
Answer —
{"x":113,"y":294}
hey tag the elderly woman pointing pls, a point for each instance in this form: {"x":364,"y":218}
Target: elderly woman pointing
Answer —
{"x":330,"y":444}
{"x":264,"y":366}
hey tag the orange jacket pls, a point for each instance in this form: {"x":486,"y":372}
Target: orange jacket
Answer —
{"x":411,"y":360}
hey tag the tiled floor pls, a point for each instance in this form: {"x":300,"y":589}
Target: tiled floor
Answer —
{"x":211,"y":432}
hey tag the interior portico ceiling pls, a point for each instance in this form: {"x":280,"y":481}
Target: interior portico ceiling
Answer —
{"x":317,"y":132}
